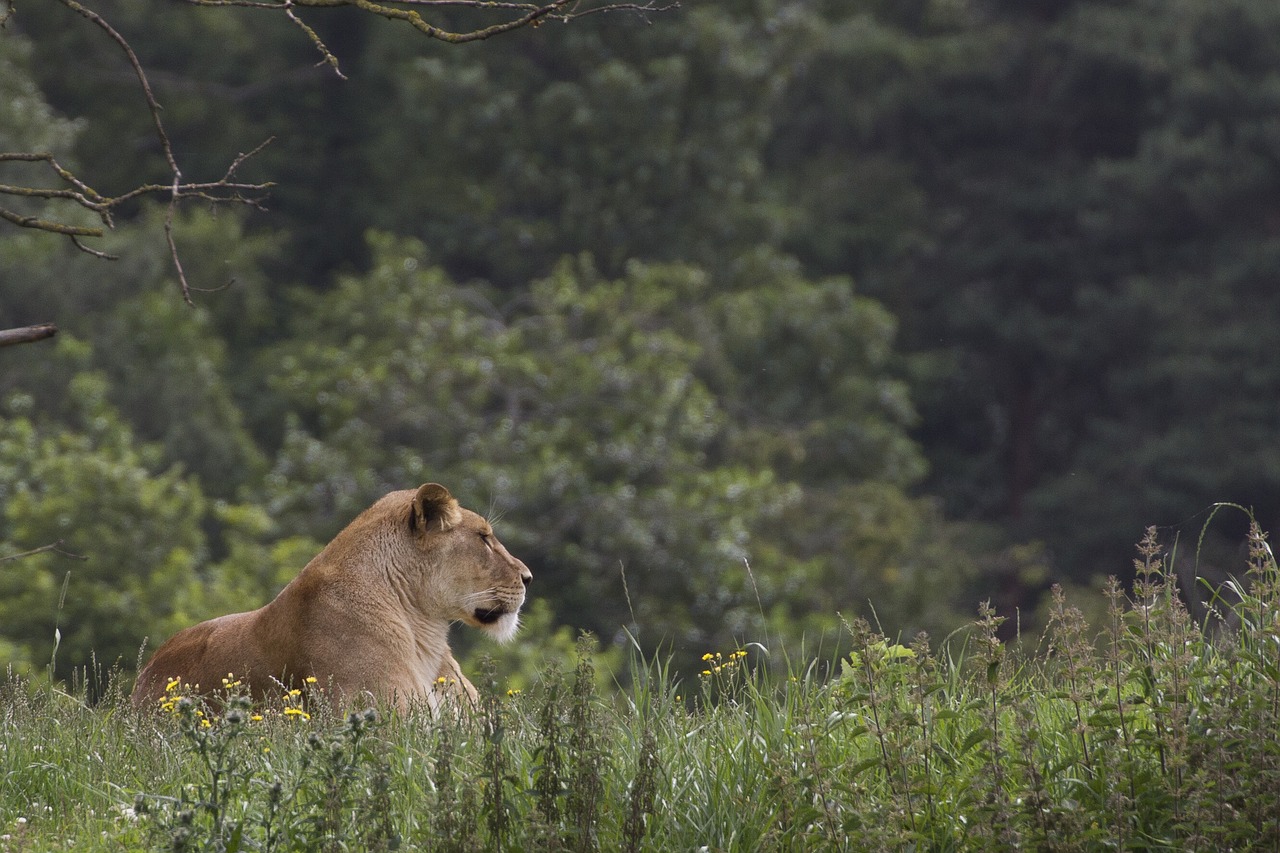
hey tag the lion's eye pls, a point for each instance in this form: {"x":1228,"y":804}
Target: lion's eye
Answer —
{"x":488,"y":540}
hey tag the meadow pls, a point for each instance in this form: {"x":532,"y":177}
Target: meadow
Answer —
{"x":1145,"y":731}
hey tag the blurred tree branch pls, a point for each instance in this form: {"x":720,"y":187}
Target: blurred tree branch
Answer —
{"x":70,"y":189}
{"x":514,"y":15}
{"x":27,"y":334}
{"x":77,"y":192}
{"x":56,"y":547}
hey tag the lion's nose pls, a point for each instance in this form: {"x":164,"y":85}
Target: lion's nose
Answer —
{"x":525,"y":576}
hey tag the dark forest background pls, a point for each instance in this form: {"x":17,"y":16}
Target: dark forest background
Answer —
{"x":737,"y":316}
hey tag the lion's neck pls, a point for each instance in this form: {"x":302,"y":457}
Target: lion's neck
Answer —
{"x":423,"y":629}
{"x":431,"y":653}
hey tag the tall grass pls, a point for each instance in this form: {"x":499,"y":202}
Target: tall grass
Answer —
{"x":1145,"y":732}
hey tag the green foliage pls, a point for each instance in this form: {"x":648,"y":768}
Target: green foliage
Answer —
{"x":610,"y":423}
{"x":1065,"y":206}
{"x":626,"y":141}
{"x":142,"y":551}
{"x":134,"y":550}
{"x":1195,"y":283}
{"x":595,"y":420}
{"x":576,"y":423}
{"x":1152,"y":736}
{"x":637,"y":287}
{"x":27,"y":122}
{"x":99,"y":495}
{"x":267,"y":781}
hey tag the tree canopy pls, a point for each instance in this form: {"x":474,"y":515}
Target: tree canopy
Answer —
{"x":738,"y":316}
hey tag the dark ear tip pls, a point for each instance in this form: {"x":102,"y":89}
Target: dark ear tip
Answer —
{"x":433,"y":501}
{"x":433,"y":492}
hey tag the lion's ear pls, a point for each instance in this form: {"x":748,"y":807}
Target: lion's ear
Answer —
{"x":434,"y":508}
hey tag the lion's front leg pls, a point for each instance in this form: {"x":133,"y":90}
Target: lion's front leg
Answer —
{"x":451,"y":683}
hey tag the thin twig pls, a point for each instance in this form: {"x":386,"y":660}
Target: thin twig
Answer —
{"x":230,"y":282}
{"x":152,"y":104}
{"x":55,"y":547}
{"x":173,"y":249}
{"x":106,"y":256}
{"x":627,"y":7}
{"x":315,"y":39}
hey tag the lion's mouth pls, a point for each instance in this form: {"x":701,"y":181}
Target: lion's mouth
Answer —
{"x":487,"y":616}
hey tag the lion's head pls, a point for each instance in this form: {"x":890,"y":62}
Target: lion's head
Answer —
{"x":469,"y":572}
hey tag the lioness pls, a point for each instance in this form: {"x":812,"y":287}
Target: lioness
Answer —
{"x":369,"y":614}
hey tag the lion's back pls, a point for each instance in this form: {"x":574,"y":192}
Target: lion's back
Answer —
{"x":201,"y":656}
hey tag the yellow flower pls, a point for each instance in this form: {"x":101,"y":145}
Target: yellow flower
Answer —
{"x":173,"y":684}
{"x":742,"y":653}
{"x":707,"y":656}
{"x":311,"y":679}
{"x":441,"y":680}
{"x":705,"y":673}
{"x":296,"y":712}
{"x":257,"y":718}
{"x":295,"y":692}
{"x":513,"y":693}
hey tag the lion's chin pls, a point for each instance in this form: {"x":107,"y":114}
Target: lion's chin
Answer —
{"x":499,"y":624}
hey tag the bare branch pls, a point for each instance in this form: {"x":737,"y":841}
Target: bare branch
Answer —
{"x":48,"y":225}
{"x":173,"y":252}
{"x":629,"y":7}
{"x":514,"y":15}
{"x":152,"y":103}
{"x":27,"y":334}
{"x":106,"y":256}
{"x":315,"y":39}
{"x":56,"y":547}
{"x":229,"y":282}
{"x":415,"y":20}
{"x":224,"y":190}
{"x":239,"y":161}
{"x":518,"y":15}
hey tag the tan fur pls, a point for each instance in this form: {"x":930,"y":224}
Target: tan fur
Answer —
{"x":368,"y":617}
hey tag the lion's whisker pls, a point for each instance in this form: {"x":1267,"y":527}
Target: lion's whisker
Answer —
{"x":482,"y":595}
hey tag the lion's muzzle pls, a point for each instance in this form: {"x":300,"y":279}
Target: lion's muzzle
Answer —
{"x":490,"y":615}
